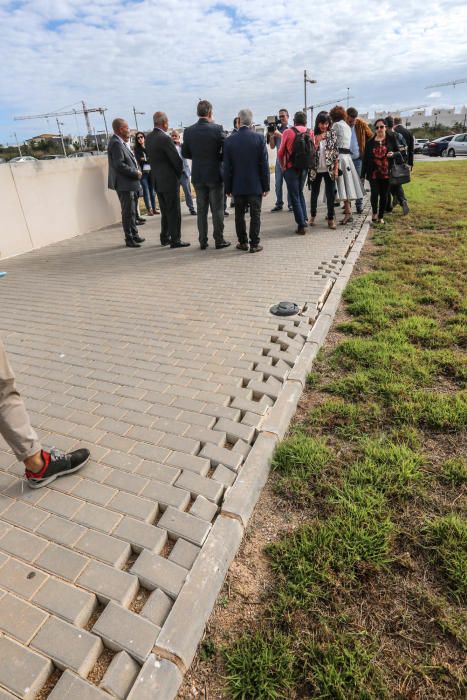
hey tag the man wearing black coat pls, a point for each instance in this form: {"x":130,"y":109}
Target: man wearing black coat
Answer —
{"x":203,"y":144}
{"x":166,"y":171}
{"x":124,"y":177}
{"x":408,"y":138}
{"x":246,"y":176}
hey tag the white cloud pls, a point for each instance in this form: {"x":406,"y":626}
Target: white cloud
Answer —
{"x":117,"y":53}
{"x":435,"y":94}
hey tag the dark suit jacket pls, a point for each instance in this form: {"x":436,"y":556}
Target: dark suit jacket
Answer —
{"x":123,"y":169}
{"x":246,"y":164}
{"x":368,"y":163}
{"x":166,"y":164}
{"x":408,"y":140}
{"x":203,"y":145}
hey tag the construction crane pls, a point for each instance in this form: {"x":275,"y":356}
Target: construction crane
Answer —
{"x":407,"y":109}
{"x":86,"y":111}
{"x":451,"y":82}
{"x":329,"y":102}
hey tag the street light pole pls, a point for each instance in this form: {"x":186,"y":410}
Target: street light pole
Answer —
{"x":136,"y":120}
{"x":17,"y":143}
{"x":306,"y":80}
{"x":59,"y":124}
{"x":348,"y":98}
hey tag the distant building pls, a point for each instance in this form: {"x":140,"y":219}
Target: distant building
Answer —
{"x":36,"y":141}
{"x":439,"y":116}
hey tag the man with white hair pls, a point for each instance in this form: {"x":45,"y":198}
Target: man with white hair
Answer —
{"x":246,"y":177}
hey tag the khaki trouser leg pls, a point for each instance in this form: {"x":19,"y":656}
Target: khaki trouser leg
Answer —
{"x":15,"y":426}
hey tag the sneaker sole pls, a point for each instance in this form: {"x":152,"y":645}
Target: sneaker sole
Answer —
{"x":44,"y":482}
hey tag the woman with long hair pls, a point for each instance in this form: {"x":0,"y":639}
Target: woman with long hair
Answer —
{"x":326,"y":167}
{"x":146,"y":182}
{"x":348,"y":183}
{"x":379,"y":152}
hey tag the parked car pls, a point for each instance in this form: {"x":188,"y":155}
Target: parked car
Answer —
{"x":438,"y":147}
{"x":80,"y":154}
{"x":458,"y":146}
{"x":419,"y":145}
{"x":52,"y":157}
{"x":22,"y":159}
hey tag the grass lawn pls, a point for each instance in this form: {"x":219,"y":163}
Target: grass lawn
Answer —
{"x":366,"y":589}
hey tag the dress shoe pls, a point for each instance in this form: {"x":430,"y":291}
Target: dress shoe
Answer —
{"x":301,"y":231}
{"x":151,"y":212}
{"x":203,"y":246}
{"x":180,"y":244}
{"x":193,"y":212}
{"x":164,"y":243}
{"x":226,"y":213}
{"x":242,"y":246}
{"x":130,"y":243}
{"x":276,"y":208}
{"x":140,"y":222}
{"x":290,"y":208}
{"x":138,"y":239}
{"x":223,"y":244}
{"x":405,"y":207}
{"x":156,"y":211}
{"x":256,"y":248}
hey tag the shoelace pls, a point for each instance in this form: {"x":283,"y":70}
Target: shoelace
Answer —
{"x":54,"y":452}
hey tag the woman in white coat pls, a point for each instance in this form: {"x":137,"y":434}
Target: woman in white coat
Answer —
{"x":348,"y":183}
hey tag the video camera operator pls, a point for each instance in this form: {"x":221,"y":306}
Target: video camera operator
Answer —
{"x":274,"y":138}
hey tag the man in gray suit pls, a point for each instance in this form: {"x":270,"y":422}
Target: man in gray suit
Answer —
{"x":124,"y":177}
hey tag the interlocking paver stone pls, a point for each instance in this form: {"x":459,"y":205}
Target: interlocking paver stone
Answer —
{"x":203,"y":508}
{"x":180,"y":524}
{"x":20,"y":578}
{"x":200,"y":486}
{"x":22,"y":671}
{"x":62,"y":562}
{"x":68,"y":602}
{"x":157,"y":607}
{"x":19,"y":619}
{"x":156,"y":572}
{"x":108,"y":583}
{"x":158,"y":678}
{"x":120,"y":675}
{"x":68,"y":646}
{"x":71,"y":687}
{"x":104,"y":547}
{"x":167,"y":495}
{"x":22,"y":544}
{"x":121,"y":629}
{"x":184,"y":553}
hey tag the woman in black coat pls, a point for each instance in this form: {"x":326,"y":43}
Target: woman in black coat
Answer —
{"x":146,"y":184}
{"x":377,"y":159}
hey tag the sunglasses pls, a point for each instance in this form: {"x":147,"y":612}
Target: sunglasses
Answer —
{"x":380,"y":127}
{"x":140,"y":138}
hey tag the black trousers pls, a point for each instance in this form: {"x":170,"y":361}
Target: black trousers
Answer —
{"x":330,"y":186}
{"x":210,"y":196}
{"x":128,"y":201}
{"x":171,"y":216}
{"x":254,"y":201}
{"x":396,"y":195}
{"x":379,"y":196}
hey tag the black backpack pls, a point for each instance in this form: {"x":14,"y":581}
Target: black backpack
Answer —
{"x":303,"y":150}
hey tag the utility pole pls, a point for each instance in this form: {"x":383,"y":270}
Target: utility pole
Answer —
{"x":59,"y":125}
{"x":136,"y":120}
{"x":17,"y":144}
{"x":306,"y":80}
{"x":348,"y":97}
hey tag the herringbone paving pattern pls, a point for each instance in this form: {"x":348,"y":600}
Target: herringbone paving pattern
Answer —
{"x":163,"y":362}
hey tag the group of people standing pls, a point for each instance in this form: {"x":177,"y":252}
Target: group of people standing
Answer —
{"x":341,"y":148}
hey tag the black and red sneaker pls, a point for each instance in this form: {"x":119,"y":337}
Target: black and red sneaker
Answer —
{"x":56,"y":463}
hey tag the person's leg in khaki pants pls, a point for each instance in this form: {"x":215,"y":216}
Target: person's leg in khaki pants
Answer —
{"x":41,"y":467}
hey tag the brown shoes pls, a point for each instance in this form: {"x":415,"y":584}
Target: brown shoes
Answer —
{"x":256,"y":249}
{"x":301,"y":231}
{"x":331,"y":223}
{"x":311,"y":221}
{"x":242,"y":246}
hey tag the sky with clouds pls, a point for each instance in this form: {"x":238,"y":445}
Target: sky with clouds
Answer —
{"x":249,"y":53}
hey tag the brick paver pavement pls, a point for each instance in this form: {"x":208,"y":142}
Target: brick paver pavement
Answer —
{"x":163,"y":362}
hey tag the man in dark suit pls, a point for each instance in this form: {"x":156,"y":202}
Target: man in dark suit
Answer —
{"x":166,"y":171}
{"x":246,"y":176}
{"x":203,"y":145}
{"x":124,"y":177}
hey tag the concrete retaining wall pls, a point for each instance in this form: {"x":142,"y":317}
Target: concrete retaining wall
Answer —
{"x":48,"y":201}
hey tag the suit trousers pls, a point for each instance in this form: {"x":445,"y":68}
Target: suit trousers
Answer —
{"x":210,"y":196}
{"x":254,"y":201}
{"x":171,"y":216}
{"x":15,"y":426}
{"x":185,"y":182}
{"x":128,"y":202}
{"x":315,"y":187}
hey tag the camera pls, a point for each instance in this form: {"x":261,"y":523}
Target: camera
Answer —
{"x":272,"y":123}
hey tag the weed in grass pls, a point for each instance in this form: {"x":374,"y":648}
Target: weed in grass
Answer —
{"x":313,"y":380}
{"x":297,"y":459}
{"x":454,"y":472}
{"x":443,"y":412}
{"x":260,"y":667}
{"x":348,"y":420}
{"x":342,"y":669}
{"x":446,"y":538}
{"x":207,"y":649}
{"x":393,"y":469}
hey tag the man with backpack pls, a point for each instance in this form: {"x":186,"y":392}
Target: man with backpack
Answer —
{"x":296,"y":156}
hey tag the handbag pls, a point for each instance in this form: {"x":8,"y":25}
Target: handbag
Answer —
{"x":399,"y":174}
